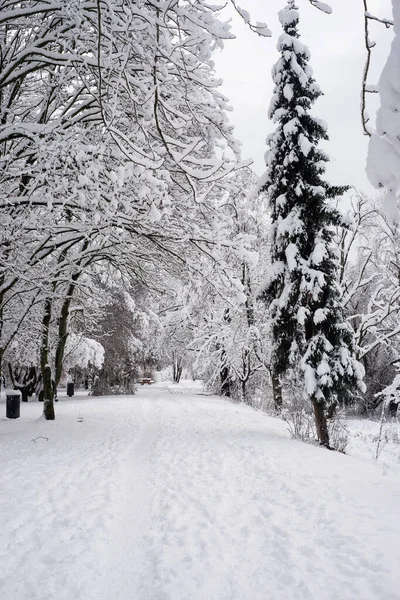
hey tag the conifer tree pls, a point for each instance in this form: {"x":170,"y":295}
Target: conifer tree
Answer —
{"x":309,"y":330}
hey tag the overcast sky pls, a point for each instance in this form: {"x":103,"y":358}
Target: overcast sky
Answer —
{"x":336,"y":43}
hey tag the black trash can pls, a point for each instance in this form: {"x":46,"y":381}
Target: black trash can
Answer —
{"x":70,"y":389}
{"x":13,"y":403}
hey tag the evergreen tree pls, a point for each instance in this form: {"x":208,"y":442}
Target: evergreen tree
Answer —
{"x":309,"y":329}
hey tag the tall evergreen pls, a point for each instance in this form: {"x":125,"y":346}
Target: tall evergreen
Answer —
{"x":309,"y":329}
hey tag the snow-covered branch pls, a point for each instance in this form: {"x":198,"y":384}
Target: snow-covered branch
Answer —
{"x":322,"y":6}
{"x":260,"y":29}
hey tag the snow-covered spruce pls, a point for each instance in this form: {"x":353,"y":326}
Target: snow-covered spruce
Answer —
{"x":308,"y":325}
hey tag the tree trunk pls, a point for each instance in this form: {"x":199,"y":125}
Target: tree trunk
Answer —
{"x":225,"y":382}
{"x":243,"y":385}
{"x":321,"y":423}
{"x":48,"y":393}
{"x":1,"y":369}
{"x":176,"y":367}
{"x":277,"y":390}
{"x":249,"y":297}
{"x":63,"y":325}
{"x":2,"y":279}
{"x":62,"y":335}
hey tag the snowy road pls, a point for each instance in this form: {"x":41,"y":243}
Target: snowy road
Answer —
{"x":171,"y":495}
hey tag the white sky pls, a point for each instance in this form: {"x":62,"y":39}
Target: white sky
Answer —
{"x":337,"y":49}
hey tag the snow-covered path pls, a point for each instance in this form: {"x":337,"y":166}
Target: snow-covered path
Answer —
{"x":171,"y":495}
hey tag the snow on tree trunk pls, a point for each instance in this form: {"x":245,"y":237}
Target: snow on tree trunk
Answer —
{"x":309,"y":329}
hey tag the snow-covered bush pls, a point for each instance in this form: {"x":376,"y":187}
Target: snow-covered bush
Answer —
{"x":83,"y":352}
{"x":339,"y":434}
{"x":297,"y":410}
{"x":298,"y":415}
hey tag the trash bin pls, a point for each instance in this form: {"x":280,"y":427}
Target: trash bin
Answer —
{"x":13,"y":403}
{"x":70,"y":389}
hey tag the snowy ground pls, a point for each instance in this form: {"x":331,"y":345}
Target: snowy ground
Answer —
{"x":364,"y":435}
{"x":173,"y":495}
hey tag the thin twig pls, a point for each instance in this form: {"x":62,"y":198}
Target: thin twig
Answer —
{"x":380,"y":431}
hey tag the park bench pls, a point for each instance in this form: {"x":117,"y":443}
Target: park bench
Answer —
{"x":146,"y":380}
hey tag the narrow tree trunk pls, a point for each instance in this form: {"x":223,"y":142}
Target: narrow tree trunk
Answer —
{"x":179,"y":372}
{"x":1,"y":369}
{"x":224,"y":371}
{"x":48,"y":393}
{"x":321,"y":423}
{"x":1,"y":331}
{"x":63,"y":329}
{"x":225,"y":381}
{"x":249,"y":297}
{"x":243,"y":385}
{"x":63,"y":321}
{"x":277,"y":390}
{"x":176,"y":368}
{"x":246,"y":369}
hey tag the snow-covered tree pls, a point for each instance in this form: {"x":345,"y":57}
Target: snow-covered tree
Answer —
{"x":309,"y":328}
{"x":370,"y":280}
{"x":102,"y":156}
{"x":383,"y":164}
{"x":230,"y":332}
